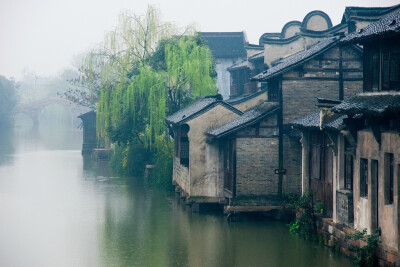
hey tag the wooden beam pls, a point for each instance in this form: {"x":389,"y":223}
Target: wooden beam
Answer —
{"x":228,"y":209}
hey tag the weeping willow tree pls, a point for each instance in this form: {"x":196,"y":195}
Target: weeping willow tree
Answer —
{"x":148,"y":70}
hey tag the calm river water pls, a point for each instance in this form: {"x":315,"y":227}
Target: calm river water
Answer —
{"x":57,"y":209}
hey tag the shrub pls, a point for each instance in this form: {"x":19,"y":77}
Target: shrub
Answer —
{"x":304,"y":225}
{"x":366,"y":255}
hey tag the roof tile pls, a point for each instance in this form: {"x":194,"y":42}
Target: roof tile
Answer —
{"x":381,"y":28}
{"x":297,"y":58}
{"x":248,"y":117}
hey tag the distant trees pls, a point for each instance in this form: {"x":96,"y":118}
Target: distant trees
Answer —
{"x":7,"y":100}
{"x":145,"y":69}
{"x":84,"y":86}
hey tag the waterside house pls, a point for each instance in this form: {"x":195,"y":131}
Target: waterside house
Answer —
{"x":217,"y":157}
{"x":227,"y":49}
{"x":363,"y":132}
{"x":250,"y":151}
{"x":248,"y":146}
{"x":89,"y":132}
{"x":323,"y":70}
{"x":196,"y":164}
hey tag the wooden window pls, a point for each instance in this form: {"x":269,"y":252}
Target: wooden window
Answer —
{"x":364,"y":178}
{"x":385,"y":71}
{"x":316,"y":155}
{"x":176,"y":143}
{"x":394,"y":79}
{"x":382,"y":67}
{"x":273,"y":91}
{"x":348,"y":166}
{"x":374,"y":184}
{"x":329,"y":165}
{"x":390,"y":66}
{"x":229,"y":151}
{"x":316,"y":161}
{"x":388,"y":176}
{"x":348,"y":172}
{"x":184,"y":145}
{"x":375,"y":71}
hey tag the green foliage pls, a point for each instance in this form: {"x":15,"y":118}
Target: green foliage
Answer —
{"x":161,"y":176}
{"x":7,"y":100}
{"x":147,"y":71}
{"x":366,"y":255}
{"x":129,"y":159}
{"x":320,"y":208}
{"x":304,"y":225}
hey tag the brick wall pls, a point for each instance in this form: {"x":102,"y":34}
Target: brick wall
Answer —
{"x":292,"y":163}
{"x":256,"y":160}
{"x":352,"y":87}
{"x":319,"y":78}
{"x":300,"y":96}
{"x":181,"y":175}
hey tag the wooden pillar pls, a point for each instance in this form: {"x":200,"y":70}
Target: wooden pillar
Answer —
{"x":280,"y":125}
{"x":341,"y":88}
{"x":305,"y":168}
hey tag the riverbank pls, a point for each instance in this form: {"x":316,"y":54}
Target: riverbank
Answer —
{"x":58,"y":209}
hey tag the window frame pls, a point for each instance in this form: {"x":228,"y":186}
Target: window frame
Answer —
{"x":364,"y":173}
{"x":389,"y":178}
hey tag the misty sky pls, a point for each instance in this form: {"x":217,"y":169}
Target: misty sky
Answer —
{"x":43,"y":36}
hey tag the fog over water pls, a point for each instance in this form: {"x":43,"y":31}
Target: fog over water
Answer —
{"x":44,"y":36}
{"x":60,"y":209}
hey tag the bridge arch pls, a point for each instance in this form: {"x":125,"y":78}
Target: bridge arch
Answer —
{"x":34,"y":109}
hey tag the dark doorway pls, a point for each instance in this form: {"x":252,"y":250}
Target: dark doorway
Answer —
{"x":374,"y":195}
{"x":321,"y":170}
{"x":229,"y":167}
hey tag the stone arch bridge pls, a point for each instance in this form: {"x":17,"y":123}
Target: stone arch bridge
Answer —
{"x":34,"y":109}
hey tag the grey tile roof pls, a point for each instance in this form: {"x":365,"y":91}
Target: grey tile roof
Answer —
{"x":242,"y":98}
{"x":226,"y":44}
{"x":370,"y":103}
{"x":240,"y":65}
{"x":256,"y":56}
{"x":249,"y":117}
{"x":297,"y":59}
{"x":370,"y":13}
{"x":87,"y":114}
{"x":312,"y":122}
{"x":309,"y":121}
{"x":190,"y":110}
{"x":202,"y":104}
{"x":389,"y":25}
{"x":335,"y":124}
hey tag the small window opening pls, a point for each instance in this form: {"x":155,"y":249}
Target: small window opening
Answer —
{"x":364,"y":178}
{"x":388,"y":176}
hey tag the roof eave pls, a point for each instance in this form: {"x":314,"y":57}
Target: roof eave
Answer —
{"x":295,"y":65}
{"x":244,"y":125}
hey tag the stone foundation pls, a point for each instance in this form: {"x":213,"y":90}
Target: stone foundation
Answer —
{"x":334,"y":234}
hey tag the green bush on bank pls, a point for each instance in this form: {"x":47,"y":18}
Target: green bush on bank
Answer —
{"x":304,"y":225}
{"x":365,"y":255}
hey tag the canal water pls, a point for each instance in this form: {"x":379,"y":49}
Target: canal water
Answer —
{"x":59,"y":209}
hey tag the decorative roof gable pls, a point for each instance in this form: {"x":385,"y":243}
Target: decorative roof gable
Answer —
{"x":297,"y":59}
